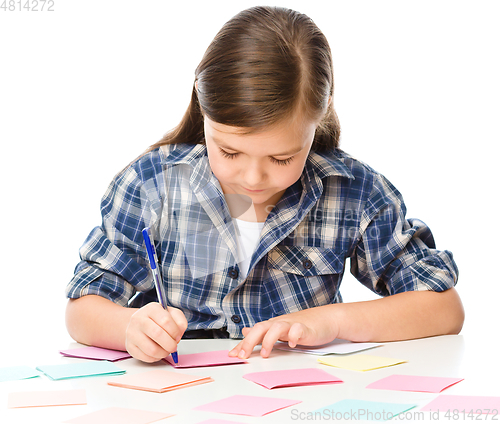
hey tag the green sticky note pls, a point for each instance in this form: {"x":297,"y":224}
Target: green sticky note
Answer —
{"x":355,"y":409}
{"x":82,"y":369}
{"x":17,"y":373}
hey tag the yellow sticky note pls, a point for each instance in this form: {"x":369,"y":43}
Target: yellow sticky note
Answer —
{"x":360,"y":362}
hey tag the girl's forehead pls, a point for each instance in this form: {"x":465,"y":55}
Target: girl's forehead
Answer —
{"x":280,"y":140}
{"x":292,"y":128}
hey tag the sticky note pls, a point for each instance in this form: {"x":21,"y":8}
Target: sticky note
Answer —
{"x":83,"y":369}
{"x":465,"y":404}
{"x":254,"y":406}
{"x":354,"y":409}
{"x":293,"y":377}
{"x":204,"y":359}
{"x":47,"y":398}
{"x":20,"y":372}
{"x":360,"y":362}
{"x":91,"y":352}
{"x":158,"y":381}
{"x":414,"y":383}
{"x":120,"y":416}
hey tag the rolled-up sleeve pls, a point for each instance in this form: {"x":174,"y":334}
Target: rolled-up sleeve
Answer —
{"x":395,"y":254}
{"x":113,"y":260}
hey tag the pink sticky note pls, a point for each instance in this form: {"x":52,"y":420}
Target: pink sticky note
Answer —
{"x":254,"y":406}
{"x":159,"y":381}
{"x":91,"y":352}
{"x":204,"y":359}
{"x":119,"y":416}
{"x":414,"y":383}
{"x":465,"y":404}
{"x":47,"y":398}
{"x":293,"y":377}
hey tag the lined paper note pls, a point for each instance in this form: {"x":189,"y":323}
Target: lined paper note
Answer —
{"x":338,"y":347}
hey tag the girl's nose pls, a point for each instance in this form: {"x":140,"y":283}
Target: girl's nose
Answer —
{"x":254,"y":175}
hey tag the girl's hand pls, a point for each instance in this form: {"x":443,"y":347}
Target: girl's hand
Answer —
{"x":310,"y":327}
{"x":153,"y":332}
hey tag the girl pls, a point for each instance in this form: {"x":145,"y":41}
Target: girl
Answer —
{"x":255,"y":210}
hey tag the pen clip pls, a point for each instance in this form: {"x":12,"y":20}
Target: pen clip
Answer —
{"x":146,"y":234}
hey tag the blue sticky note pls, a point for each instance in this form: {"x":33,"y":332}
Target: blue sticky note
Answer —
{"x":81,"y":369}
{"x":355,"y":409}
{"x":17,"y":373}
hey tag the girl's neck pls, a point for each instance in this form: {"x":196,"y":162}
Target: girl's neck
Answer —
{"x":252,"y":215}
{"x":241,"y":207}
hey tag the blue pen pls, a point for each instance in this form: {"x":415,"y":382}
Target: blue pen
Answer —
{"x":153,"y":262}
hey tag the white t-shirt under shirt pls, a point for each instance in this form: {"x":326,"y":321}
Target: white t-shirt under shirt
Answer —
{"x":248,"y":235}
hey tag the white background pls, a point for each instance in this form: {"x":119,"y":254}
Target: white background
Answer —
{"x":86,"y":88}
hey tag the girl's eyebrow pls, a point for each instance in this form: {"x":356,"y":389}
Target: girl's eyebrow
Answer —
{"x":221,"y":145}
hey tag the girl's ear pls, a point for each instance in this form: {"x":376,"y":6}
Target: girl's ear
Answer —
{"x":196,"y":85}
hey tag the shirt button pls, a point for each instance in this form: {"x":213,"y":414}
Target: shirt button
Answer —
{"x":233,"y":273}
{"x":307,"y":264}
{"x":236,"y":319}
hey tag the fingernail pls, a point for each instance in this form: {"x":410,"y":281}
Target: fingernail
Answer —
{"x":263,"y":352}
{"x":241,"y":355}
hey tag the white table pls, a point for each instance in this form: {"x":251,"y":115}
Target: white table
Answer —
{"x":447,"y":356}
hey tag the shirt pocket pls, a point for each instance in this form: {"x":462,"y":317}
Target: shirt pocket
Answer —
{"x":301,"y":277}
{"x":306,"y":260}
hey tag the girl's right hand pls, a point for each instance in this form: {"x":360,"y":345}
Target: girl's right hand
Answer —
{"x":153,"y":332}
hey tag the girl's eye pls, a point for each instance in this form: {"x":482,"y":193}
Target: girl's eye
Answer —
{"x":282,"y":161}
{"x":227,"y":155}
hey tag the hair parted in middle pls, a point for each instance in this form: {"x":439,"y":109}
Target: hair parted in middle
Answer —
{"x":265,"y":65}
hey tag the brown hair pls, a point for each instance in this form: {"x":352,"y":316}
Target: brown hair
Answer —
{"x":264,"y":65}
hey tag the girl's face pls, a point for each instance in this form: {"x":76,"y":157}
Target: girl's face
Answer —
{"x":260,"y":165}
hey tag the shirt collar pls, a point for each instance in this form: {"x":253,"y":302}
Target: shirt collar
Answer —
{"x":194,"y":156}
{"x":328,"y":165}
{"x":174,"y":154}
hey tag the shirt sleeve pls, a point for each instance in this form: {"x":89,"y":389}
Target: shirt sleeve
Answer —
{"x":395,"y":254}
{"x":113,"y":260}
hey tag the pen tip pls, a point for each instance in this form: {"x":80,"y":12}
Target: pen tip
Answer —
{"x":175,"y":358}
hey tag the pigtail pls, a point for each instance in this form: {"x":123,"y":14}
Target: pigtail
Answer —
{"x":189,"y":130}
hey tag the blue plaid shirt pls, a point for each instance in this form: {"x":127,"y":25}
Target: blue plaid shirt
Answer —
{"x":340,"y":208}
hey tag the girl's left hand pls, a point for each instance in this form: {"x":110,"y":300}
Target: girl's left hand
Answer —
{"x":310,"y":327}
